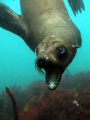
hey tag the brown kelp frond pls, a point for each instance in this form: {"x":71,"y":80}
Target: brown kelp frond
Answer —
{"x":15,"y":109}
{"x":26,"y":107}
{"x":39,"y":69}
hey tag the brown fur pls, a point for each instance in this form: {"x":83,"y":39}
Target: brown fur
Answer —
{"x":44,"y":24}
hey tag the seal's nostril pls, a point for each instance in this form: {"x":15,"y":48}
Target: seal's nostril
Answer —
{"x":41,"y":62}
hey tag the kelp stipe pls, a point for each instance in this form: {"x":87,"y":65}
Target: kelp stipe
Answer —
{"x":15,"y":109}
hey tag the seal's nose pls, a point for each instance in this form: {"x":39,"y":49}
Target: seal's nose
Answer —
{"x":41,"y":62}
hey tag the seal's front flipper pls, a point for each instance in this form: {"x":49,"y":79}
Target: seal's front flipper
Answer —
{"x":76,"y":5}
{"x":9,"y":20}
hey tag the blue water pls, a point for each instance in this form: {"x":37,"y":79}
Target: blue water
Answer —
{"x":17,"y":60}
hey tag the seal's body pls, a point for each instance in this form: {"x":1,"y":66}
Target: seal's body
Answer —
{"x":45,"y":26}
{"x":45,"y":18}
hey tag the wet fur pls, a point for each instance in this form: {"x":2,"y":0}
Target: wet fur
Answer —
{"x":45,"y":25}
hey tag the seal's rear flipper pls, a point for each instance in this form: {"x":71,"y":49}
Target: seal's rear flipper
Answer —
{"x":9,"y":20}
{"x":76,"y":5}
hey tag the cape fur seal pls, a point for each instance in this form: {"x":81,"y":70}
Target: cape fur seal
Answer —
{"x":46,"y":26}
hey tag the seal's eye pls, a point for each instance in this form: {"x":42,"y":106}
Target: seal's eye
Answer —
{"x":61,"y":49}
{"x":36,"y":50}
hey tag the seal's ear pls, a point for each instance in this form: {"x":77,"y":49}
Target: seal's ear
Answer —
{"x":75,"y":46}
{"x":9,"y":20}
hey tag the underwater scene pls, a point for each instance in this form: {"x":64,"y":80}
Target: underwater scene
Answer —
{"x":24,"y":93}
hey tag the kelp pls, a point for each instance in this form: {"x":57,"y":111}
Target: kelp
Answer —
{"x":26,"y":107}
{"x":75,"y":92}
{"x":71,"y":101}
{"x":15,"y":109}
{"x":41,"y":96}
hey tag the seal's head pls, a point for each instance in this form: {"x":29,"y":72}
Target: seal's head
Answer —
{"x":54,"y":55}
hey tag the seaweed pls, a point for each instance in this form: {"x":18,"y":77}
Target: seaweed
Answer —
{"x":15,"y":109}
{"x":70,"y":101}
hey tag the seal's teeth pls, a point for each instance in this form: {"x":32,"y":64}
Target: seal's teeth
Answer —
{"x":52,"y":80}
{"x":52,"y":85}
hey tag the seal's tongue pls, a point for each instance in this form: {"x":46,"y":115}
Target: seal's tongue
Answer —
{"x":52,"y":79}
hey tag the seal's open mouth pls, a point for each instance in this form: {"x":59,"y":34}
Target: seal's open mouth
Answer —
{"x":53,"y":73}
{"x":52,"y":79}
